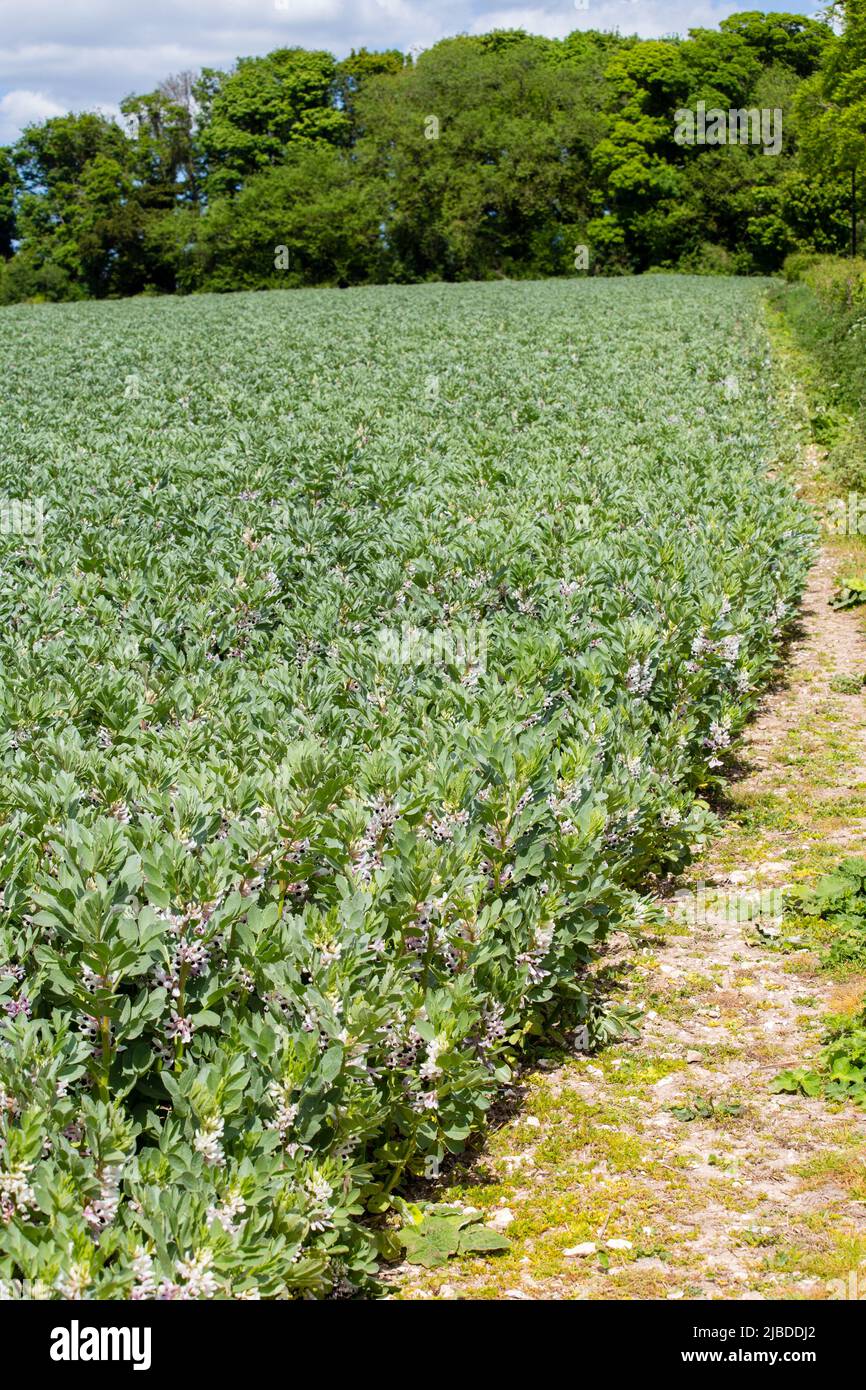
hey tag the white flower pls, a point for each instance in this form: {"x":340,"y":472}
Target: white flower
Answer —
{"x":280,"y":1096}
{"x":145,"y":1282}
{"x":321,"y":1192}
{"x":208,"y":1142}
{"x":639,"y":677}
{"x":74,"y":1283}
{"x":229,"y":1213}
{"x":178,"y":1028}
{"x":429,"y":1068}
{"x":101,"y":1212}
{"x":718,"y":737}
{"x":200,"y":1280}
{"x":16,"y":1193}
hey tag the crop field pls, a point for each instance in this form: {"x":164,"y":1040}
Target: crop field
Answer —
{"x":362,"y":654}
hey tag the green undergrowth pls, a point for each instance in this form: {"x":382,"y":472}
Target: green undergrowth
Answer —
{"x":831,"y":916}
{"x":825,"y":310}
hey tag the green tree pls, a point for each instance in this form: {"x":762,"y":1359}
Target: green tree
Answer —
{"x":790,"y":39}
{"x":7,"y":203}
{"x":77,"y":212}
{"x":491,"y":155}
{"x":308,"y":221}
{"x":351,"y":75}
{"x":484,"y":146}
{"x":252,"y":115}
{"x":164,"y":155}
{"x":637,"y":186}
{"x":720,"y":68}
{"x":664,"y":203}
{"x":831,"y":106}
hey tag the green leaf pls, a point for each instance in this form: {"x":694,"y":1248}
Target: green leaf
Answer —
{"x":481,"y":1239}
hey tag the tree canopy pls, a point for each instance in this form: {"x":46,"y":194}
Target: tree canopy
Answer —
{"x":499,"y":154}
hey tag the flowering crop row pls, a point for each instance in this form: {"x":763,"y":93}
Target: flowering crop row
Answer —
{"x":278,"y":906}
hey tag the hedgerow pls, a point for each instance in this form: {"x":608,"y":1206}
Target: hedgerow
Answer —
{"x":374,"y":649}
{"x":824,"y":308}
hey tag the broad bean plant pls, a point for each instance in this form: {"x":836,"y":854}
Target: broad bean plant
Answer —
{"x":362,"y":655}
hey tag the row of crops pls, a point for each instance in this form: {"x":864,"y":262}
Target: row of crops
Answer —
{"x":362,"y":653}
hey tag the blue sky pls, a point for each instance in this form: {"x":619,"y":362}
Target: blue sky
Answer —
{"x":62,"y":55}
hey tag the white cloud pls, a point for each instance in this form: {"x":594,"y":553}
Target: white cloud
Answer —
{"x":89,"y":54}
{"x":19,"y":108}
{"x":552,"y":23}
{"x":648,"y":18}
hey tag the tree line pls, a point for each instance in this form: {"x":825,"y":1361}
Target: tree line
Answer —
{"x":499,"y":155}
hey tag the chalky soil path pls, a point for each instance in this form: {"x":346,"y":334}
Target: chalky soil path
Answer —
{"x":666,"y":1168}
